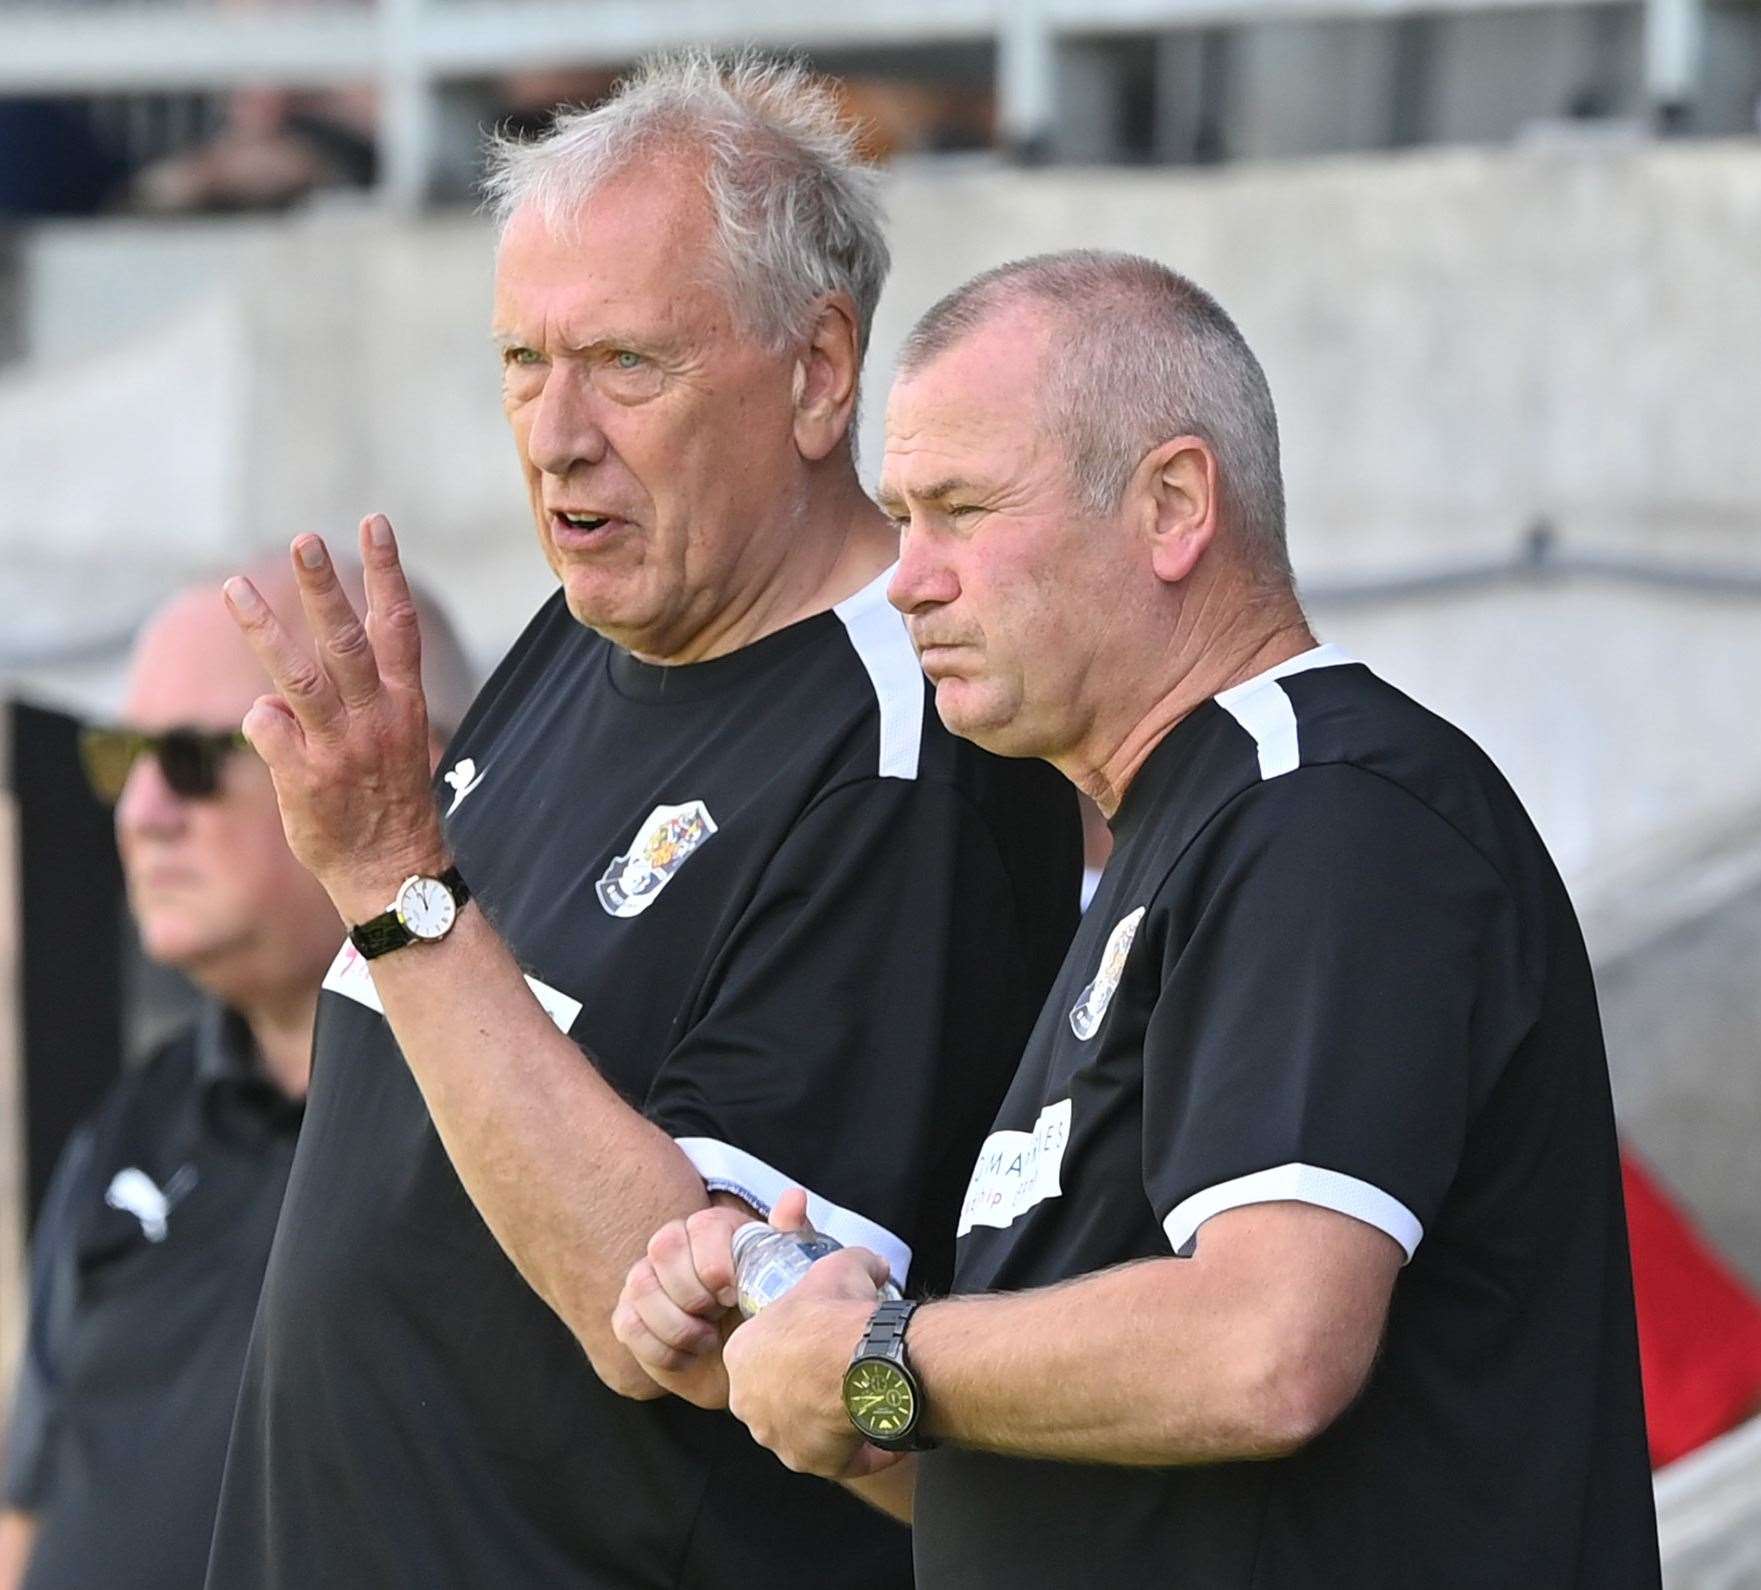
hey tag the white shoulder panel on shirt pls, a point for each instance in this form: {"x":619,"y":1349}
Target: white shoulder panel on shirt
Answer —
{"x":878,"y":633}
{"x":1261,"y":707}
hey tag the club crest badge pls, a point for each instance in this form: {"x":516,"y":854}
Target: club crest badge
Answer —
{"x":662,"y":845}
{"x":1091,"y":1007}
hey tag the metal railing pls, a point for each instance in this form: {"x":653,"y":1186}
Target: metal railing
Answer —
{"x":410,"y":50}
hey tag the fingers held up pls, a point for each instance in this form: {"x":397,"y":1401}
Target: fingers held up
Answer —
{"x":345,"y":735}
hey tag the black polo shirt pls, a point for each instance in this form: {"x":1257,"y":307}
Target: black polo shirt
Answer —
{"x":1329,"y":961}
{"x":148,"y":1259}
{"x":798,"y":925}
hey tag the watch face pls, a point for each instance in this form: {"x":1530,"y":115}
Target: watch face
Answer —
{"x":427,"y":907}
{"x":879,"y":1399}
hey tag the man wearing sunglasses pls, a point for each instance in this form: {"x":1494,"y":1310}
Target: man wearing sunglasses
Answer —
{"x":151,"y":1247}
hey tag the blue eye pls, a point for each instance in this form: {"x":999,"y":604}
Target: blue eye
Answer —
{"x":628,"y":361}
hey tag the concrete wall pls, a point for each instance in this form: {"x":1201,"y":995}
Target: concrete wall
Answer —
{"x":1459,"y":342}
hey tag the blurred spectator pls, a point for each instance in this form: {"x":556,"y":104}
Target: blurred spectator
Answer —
{"x":51,"y":161}
{"x":926,"y":117}
{"x":151,"y":1243}
{"x":892,"y":116}
{"x":277,"y":147}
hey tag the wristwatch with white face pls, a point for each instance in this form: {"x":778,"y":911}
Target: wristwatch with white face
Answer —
{"x":423,"y":913}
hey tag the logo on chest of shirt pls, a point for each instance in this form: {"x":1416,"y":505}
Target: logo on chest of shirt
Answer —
{"x":1016,"y":1170}
{"x":461,"y":779}
{"x":134,"y":1192}
{"x":1091,"y":1004}
{"x":662,"y":845}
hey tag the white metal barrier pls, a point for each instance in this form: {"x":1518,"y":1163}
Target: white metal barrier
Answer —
{"x":1709,"y":1514}
{"x":411,"y":49}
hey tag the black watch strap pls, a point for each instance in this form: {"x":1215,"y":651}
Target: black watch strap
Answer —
{"x":885,"y":1338}
{"x":382,"y":934}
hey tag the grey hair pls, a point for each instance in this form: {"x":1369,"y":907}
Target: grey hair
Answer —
{"x":1141,"y":355}
{"x":796,"y":210}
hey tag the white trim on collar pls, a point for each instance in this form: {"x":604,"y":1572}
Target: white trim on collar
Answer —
{"x":1330,"y":655}
{"x":1261,"y":707}
{"x":883,"y":644}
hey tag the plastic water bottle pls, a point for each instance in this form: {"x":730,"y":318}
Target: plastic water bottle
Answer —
{"x":767,"y":1262}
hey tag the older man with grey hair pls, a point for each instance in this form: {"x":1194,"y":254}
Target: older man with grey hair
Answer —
{"x":715,"y":905}
{"x":1297,"y":1254}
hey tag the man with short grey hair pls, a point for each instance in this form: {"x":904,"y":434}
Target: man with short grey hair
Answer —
{"x":1297,"y":1253}
{"x":713,"y":905}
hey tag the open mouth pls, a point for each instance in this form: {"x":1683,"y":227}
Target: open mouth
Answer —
{"x":586,"y":522}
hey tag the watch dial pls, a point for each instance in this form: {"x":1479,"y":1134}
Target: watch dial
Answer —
{"x":878,"y":1398}
{"x":427,"y":907}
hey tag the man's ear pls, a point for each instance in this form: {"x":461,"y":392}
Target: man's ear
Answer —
{"x":826,"y":373}
{"x":1177,"y":503}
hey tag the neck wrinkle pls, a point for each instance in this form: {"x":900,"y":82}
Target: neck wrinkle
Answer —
{"x":1201,"y":665}
{"x":850,"y":556}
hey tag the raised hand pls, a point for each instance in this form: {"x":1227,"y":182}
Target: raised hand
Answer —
{"x":345,"y":736}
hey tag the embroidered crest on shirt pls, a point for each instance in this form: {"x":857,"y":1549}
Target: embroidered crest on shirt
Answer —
{"x":1091,"y":1006}
{"x":462,"y":778}
{"x":662,"y":845}
{"x":134,"y":1192}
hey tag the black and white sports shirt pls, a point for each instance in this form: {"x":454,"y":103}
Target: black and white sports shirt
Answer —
{"x":146,"y":1264}
{"x":1329,"y":961}
{"x":798,"y":925}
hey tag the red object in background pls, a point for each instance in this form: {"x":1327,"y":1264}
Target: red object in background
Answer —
{"x":1699,"y":1325}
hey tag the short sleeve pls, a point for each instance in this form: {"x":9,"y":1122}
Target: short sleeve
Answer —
{"x":33,"y":1418}
{"x":1328,"y":987}
{"x":862,"y":1022}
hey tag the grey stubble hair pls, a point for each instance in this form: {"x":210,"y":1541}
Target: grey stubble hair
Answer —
{"x":796,"y":211}
{"x":1139,"y":355}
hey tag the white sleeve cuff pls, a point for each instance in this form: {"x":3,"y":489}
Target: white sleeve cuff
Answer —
{"x":1305,"y":1184}
{"x":725,"y":1168}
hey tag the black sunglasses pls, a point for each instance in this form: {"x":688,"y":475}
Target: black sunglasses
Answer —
{"x":190,"y":759}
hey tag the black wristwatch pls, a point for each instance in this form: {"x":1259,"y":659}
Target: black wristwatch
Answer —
{"x":423,"y":913}
{"x":882,"y":1396}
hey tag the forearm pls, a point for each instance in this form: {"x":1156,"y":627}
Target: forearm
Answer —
{"x":569,"y":1178}
{"x":1163,"y":1362}
{"x":892,"y":1491}
{"x":18,"y":1533}
{"x":1093,"y":1371}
